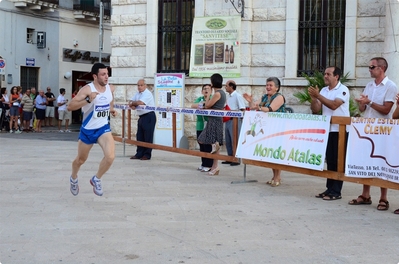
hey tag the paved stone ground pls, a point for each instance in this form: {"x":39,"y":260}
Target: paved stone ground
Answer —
{"x":165,"y":211}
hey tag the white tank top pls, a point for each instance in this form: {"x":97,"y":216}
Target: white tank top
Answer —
{"x":95,"y":114}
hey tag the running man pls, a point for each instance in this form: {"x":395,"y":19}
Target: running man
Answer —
{"x":97,"y":102}
{"x":251,"y":131}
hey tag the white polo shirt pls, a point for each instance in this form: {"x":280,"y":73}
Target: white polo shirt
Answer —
{"x":384,"y":92}
{"x":235,"y":101}
{"x":147,"y":98}
{"x":341,"y":92}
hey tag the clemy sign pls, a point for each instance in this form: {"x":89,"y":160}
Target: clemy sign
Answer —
{"x":378,"y":139}
{"x":283,"y":138}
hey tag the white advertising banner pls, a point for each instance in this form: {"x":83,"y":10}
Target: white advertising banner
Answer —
{"x":373,"y":149}
{"x":169,"y":93}
{"x":215,"y":46}
{"x":292,"y":139}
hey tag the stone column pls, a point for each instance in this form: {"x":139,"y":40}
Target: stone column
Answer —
{"x":391,"y":49}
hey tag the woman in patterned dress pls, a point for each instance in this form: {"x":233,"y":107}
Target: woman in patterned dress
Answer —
{"x":213,"y":131}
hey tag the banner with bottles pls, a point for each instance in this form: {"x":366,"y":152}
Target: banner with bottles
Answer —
{"x":215,"y":46}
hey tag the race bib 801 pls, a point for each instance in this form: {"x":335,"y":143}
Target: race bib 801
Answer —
{"x":101,"y":111}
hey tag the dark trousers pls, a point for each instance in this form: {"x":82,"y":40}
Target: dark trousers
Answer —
{"x":2,"y":116}
{"x":205,"y":162}
{"x":145,"y":133}
{"x":334,"y":187}
{"x":228,"y":134}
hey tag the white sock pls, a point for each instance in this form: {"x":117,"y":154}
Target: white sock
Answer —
{"x":74,"y":180}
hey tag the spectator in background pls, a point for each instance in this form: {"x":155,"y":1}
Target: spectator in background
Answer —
{"x":376,"y":101}
{"x":206,"y":163}
{"x":49,"y":108}
{"x":213,"y":131}
{"x":19,"y":89}
{"x":5,"y":106}
{"x":27,"y":107}
{"x":40,"y":104}
{"x":332,"y":100}
{"x":271,"y":101}
{"x":15,"y":100}
{"x":147,"y":120}
{"x":236,"y":102}
{"x":63,"y":113}
{"x":33,"y":95}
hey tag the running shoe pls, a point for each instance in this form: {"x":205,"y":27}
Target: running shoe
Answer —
{"x":97,"y":186}
{"x":74,"y":186}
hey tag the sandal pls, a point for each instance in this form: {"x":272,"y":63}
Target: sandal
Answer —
{"x":382,"y":205}
{"x":321,"y":195}
{"x":396,"y":211}
{"x":270,"y":182}
{"x":363,"y":201}
{"x":275,"y":184}
{"x":330,"y":197}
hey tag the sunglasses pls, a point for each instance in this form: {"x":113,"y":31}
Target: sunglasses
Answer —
{"x":372,"y":67}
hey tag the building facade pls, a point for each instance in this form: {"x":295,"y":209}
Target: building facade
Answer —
{"x":51,"y":43}
{"x":273,"y":43}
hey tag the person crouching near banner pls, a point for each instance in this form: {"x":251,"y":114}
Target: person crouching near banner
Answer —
{"x":206,"y":163}
{"x":395,"y":115}
{"x":213,"y":131}
{"x":376,"y":102}
{"x":332,"y":100}
{"x":271,"y":101}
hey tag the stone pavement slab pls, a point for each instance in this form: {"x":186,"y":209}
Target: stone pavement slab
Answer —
{"x":165,"y":211}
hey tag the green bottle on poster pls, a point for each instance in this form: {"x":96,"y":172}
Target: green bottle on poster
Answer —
{"x":209,"y":52}
{"x":231,"y":55}
{"x":199,"y":55}
{"x":219,"y":52}
{"x":227,"y":54}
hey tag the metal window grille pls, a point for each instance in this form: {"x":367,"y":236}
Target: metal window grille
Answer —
{"x":29,"y":77}
{"x":175,"y":21}
{"x":29,"y":35}
{"x":321,"y":35}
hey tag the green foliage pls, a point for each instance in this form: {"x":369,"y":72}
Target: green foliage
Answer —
{"x":318,"y":81}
